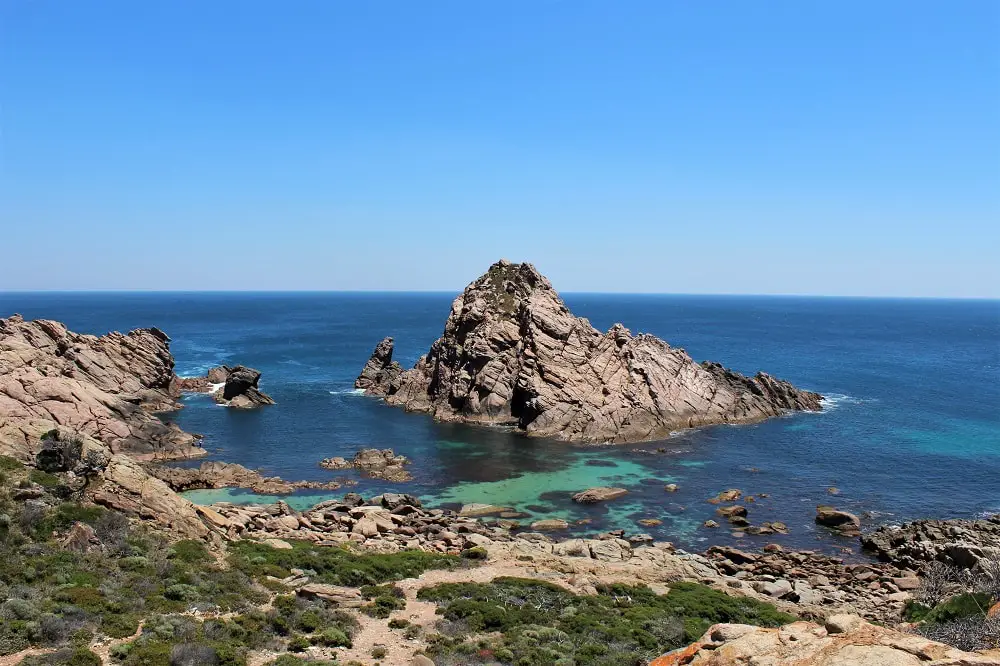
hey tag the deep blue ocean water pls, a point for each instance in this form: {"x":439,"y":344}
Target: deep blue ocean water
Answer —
{"x":911,"y":429}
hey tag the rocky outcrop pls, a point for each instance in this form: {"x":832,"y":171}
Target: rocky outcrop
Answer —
{"x":240,"y":389}
{"x":374,"y":464}
{"x":233,"y":387}
{"x":380,"y":374}
{"x":216,"y":474}
{"x":842,"y":640}
{"x":961,"y":543}
{"x":512,"y":354}
{"x":110,"y":479}
{"x":127,"y":487}
{"x":107,"y":387}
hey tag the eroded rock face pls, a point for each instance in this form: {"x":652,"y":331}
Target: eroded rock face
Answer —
{"x":513,"y":354}
{"x":107,"y":387}
{"x":843,"y":641}
{"x":233,"y":387}
{"x":127,"y":487}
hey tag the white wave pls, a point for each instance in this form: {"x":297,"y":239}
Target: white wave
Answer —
{"x":832,"y":401}
{"x":212,"y":388}
{"x":356,"y":391}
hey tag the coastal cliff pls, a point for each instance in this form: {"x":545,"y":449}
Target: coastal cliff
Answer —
{"x":513,"y":354}
{"x":107,"y":387}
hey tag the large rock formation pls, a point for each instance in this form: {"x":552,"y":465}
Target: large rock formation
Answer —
{"x":107,"y":387}
{"x":512,"y":354}
{"x":843,"y":640}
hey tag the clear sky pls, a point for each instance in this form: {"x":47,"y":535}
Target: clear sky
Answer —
{"x":845,"y":148}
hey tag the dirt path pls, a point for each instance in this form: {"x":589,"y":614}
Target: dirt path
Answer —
{"x":400,"y":650}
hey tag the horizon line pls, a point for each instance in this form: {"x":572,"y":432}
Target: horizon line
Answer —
{"x":456,"y":293}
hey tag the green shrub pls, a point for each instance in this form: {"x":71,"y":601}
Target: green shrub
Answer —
{"x":956,"y":608}
{"x":542,"y":623}
{"x":190,"y":551}
{"x":8,"y":464}
{"x":399,"y":623}
{"x":378,"y":652}
{"x":475,"y":553}
{"x":332,"y":637}
{"x":292,"y":660}
{"x":298,"y":644}
{"x":181,"y":592}
{"x":337,"y":566}
{"x":118,"y":625}
{"x":67,"y":657}
{"x":385,"y":599}
{"x":44,"y":479}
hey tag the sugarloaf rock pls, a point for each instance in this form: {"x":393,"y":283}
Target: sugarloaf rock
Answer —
{"x":512,"y":354}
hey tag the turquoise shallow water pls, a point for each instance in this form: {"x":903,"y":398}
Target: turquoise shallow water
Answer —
{"x":912,"y":427}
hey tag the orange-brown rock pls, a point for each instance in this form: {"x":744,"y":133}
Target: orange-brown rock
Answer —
{"x":844,"y":641}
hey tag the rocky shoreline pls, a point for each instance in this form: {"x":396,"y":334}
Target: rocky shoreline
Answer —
{"x":215,"y":474}
{"x":811,"y":583}
{"x":84,"y":407}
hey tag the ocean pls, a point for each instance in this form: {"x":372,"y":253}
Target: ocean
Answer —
{"x":910,"y":429}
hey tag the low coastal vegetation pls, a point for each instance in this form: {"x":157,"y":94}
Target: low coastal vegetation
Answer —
{"x":78,"y":581}
{"x":528,"y":622}
{"x":71,"y":573}
{"x":959,"y":606}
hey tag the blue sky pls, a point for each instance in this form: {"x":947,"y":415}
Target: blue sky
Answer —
{"x":845,"y":148}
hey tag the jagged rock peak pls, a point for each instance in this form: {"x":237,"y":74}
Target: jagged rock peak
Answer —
{"x":380,"y":372}
{"x":513,"y":354}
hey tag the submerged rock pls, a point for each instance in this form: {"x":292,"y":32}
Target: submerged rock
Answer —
{"x":481,"y":510}
{"x":602,"y":494}
{"x":513,"y":354}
